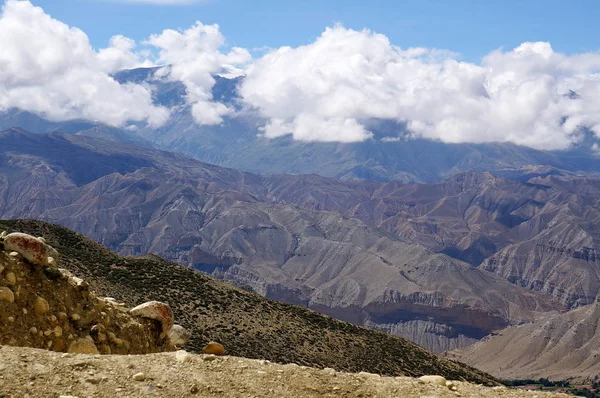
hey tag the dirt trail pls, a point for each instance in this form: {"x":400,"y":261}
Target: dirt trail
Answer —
{"x":27,"y":372}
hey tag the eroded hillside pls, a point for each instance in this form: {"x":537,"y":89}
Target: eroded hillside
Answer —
{"x":245,"y":323}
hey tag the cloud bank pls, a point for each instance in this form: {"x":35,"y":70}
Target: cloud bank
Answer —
{"x":327,"y":90}
{"x":49,"y":68}
{"x":194,"y":58}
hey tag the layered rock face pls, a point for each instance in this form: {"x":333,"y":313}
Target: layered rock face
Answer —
{"x":43,"y":306}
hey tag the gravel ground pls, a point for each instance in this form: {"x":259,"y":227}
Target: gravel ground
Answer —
{"x":27,"y":372}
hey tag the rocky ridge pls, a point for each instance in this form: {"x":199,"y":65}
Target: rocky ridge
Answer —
{"x":44,"y":306}
{"x":245,"y":323}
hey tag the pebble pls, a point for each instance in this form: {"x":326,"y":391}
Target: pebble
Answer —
{"x":94,"y":379}
{"x":179,"y":335}
{"x":214,"y":348}
{"x":11,"y":278}
{"x":139,"y":377}
{"x":41,"y":306}
{"x":7,"y":295}
{"x":182,"y":356}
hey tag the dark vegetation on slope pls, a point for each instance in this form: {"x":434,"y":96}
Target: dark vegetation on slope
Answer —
{"x":247,"y":324}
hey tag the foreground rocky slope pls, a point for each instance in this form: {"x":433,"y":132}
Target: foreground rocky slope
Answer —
{"x":48,"y":307}
{"x":45,"y":374}
{"x":272,"y":233}
{"x":559,"y":347}
{"x":245,"y":323}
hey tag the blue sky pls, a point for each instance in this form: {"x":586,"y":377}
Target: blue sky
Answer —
{"x":469,"y":27}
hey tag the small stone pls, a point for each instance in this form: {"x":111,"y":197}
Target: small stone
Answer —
{"x":33,"y":330}
{"x":7,"y":295}
{"x":14,"y":254}
{"x":139,"y":377}
{"x":94,"y":379}
{"x":82,"y":346}
{"x":25,"y":311}
{"x":11,"y":278}
{"x":209,"y":357}
{"x":179,"y":335}
{"x":58,"y":332}
{"x":75,"y":317}
{"x":182,"y":356}
{"x":11,"y":318}
{"x":41,"y":306}
{"x":214,"y":348}
{"x":53,"y":318}
{"x":434,"y":379}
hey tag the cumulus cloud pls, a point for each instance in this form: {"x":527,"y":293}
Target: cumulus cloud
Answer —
{"x":194,"y":57}
{"x":49,"y":68}
{"x":327,"y":90}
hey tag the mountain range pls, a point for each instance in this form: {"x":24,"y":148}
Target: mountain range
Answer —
{"x":238,"y":143}
{"x":322,"y":243}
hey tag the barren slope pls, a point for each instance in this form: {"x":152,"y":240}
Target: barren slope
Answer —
{"x":245,"y":323}
{"x":559,"y":347}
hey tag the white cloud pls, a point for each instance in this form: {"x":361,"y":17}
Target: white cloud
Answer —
{"x":194,"y":57}
{"x":325,"y":91}
{"x":49,"y":68}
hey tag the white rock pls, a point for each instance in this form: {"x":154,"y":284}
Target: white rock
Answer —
{"x":158,"y":311}
{"x":182,"y":356}
{"x":434,"y":379}
{"x":139,"y":377}
{"x":31,"y":248}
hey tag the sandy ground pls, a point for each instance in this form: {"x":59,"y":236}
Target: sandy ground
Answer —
{"x":27,"y":372}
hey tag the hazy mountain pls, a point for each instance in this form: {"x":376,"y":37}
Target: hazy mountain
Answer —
{"x":260,"y":232}
{"x":237,"y":143}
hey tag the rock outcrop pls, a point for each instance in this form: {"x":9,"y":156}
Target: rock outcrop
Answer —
{"x":44,"y":306}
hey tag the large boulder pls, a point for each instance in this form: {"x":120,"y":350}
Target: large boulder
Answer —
{"x":33,"y":249}
{"x":159,"y":312}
